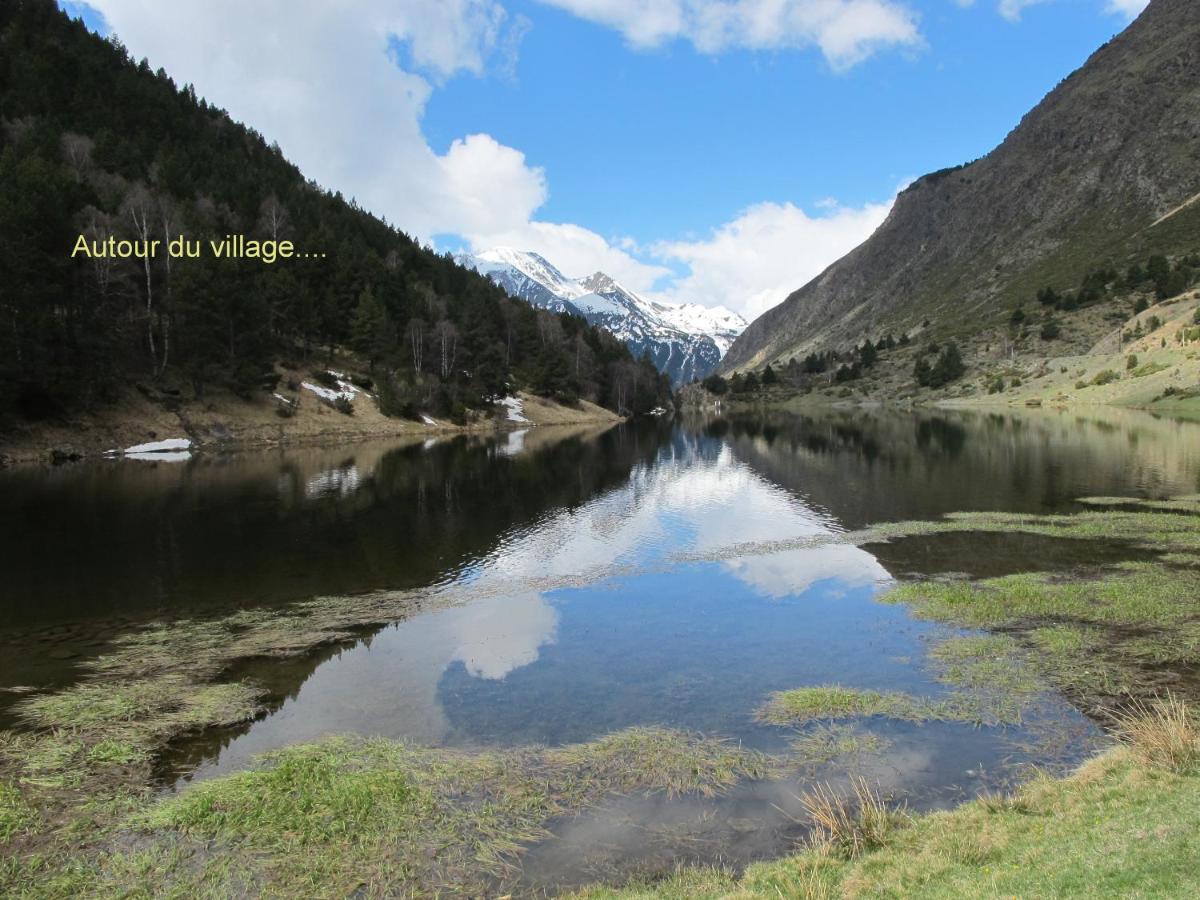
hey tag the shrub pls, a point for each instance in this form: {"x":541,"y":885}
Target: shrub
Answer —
{"x":995,"y":386}
{"x":1131,"y":362}
{"x":343,"y":405}
{"x":1108,"y":376}
{"x":1050,"y":330}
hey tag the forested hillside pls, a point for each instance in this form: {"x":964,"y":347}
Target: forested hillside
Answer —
{"x":94,"y":143}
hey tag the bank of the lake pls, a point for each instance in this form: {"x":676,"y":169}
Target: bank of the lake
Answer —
{"x":301,"y":412}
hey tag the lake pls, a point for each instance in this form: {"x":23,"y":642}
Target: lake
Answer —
{"x":655,"y":573}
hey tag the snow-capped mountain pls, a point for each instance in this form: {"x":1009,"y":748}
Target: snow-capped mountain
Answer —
{"x":685,"y":341}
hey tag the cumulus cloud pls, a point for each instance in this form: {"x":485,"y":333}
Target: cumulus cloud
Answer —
{"x":342,"y":88}
{"x":1012,"y":9}
{"x":846,"y":31}
{"x":577,"y":252}
{"x":753,"y":262}
{"x":1128,"y":8}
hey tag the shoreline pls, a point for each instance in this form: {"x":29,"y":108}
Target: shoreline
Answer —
{"x":234,"y":425}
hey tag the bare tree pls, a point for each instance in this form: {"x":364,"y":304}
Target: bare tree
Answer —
{"x":77,"y":152}
{"x":169,"y":215}
{"x":416,"y":342}
{"x":98,"y":230}
{"x":549,"y":328}
{"x":139,"y":207}
{"x":273,"y":218}
{"x":448,"y":341}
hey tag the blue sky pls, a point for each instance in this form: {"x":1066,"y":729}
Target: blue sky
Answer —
{"x":668,"y":142}
{"x":721,"y":163}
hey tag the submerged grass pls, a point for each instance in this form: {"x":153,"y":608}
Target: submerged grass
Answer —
{"x":834,"y":701}
{"x":379,"y":816}
{"x":1121,"y":825}
{"x":826,"y":743}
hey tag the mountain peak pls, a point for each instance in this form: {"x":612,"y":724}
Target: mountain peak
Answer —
{"x":685,"y":341}
{"x":600,"y":283}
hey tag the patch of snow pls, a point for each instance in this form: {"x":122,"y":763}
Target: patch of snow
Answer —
{"x":427,"y":420}
{"x":599,"y":304}
{"x":346,"y":389}
{"x":532,"y":265}
{"x":327,"y":394}
{"x":284,"y":400}
{"x":165,"y":446}
{"x":515,"y":409}
{"x":173,"y":456}
{"x":658,"y":411}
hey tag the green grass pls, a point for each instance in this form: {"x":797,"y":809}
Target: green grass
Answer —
{"x":16,"y":815}
{"x":829,"y":702}
{"x":833,"y":701}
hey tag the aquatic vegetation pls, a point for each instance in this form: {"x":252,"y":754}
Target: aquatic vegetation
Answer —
{"x":834,"y":701}
{"x":1113,"y":828}
{"x":828,"y":742}
{"x":348,"y":813}
{"x":98,"y":727}
{"x":985,"y":663}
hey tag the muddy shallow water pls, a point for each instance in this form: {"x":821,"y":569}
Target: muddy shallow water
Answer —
{"x":607,"y":585}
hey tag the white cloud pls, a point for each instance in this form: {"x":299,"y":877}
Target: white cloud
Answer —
{"x":323,"y":82}
{"x":1012,"y":9}
{"x":576,"y":251}
{"x":753,"y":262}
{"x":846,"y":31}
{"x":1131,"y":9}
{"x":328,"y":86}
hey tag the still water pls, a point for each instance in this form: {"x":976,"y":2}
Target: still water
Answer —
{"x":612,"y":578}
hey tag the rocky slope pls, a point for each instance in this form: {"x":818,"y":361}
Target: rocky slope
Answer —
{"x":1104,"y":170}
{"x":684,"y":342}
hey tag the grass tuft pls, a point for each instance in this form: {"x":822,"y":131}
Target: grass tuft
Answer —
{"x":848,"y":827}
{"x":1163,"y":733}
